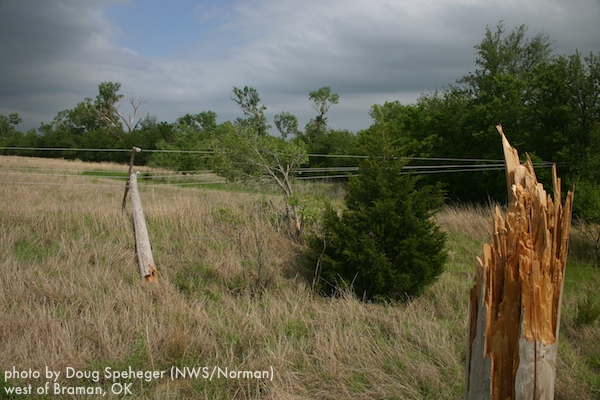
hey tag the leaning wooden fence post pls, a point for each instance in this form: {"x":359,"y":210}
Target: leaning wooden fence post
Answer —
{"x":133,"y":151}
{"x":142,"y":241}
{"x":516,"y":299}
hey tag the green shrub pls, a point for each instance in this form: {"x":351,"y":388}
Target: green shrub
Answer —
{"x":385,"y":245}
{"x":588,"y":308}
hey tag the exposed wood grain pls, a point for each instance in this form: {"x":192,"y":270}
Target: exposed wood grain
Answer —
{"x":515,"y":303}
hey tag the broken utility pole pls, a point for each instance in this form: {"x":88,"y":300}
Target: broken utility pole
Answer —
{"x":516,"y":300}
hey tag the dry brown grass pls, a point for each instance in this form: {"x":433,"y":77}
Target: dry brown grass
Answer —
{"x":467,"y":220}
{"x":230,"y":294}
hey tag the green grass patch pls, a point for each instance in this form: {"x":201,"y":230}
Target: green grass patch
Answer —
{"x":579,"y":274}
{"x":32,"y":252}
{"x":105,"y":174}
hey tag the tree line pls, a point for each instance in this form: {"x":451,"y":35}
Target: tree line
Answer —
{"x":548,"y":104}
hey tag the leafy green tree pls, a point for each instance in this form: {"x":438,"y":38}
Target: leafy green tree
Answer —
{"x":194,"y":144}
{"x":410,"y":126}
{"x":105,"y":107}
{"x":96,"y":123}
{"x":500,"y":91}
{"x":147,"y":136}
{"x":330,"y":144}
{"x":203,"y":122}
{"x":9,"y":135}
{"x":286,"y":124}
{"x":320,"y":140}
{"x":385,"y":244}
{"x":8,"y":124}
{"x":567,"y":110}
{"x":78,"y":121}
{"x":241,"y":153}
{"x":322,"y":100}
{"x":84,"y":127}
{"x":31,"y":140}
{"x":506,"y":54}
{"x":249,"y":101}
{"x":244,"y":150}
{"x":108,"y":109}
{"x":191,"y":134}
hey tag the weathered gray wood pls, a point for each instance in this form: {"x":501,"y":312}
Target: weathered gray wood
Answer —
{"x":536,"y":372}
{"x":131,"y":158}
{"x":478,"y":366}
{"x":142,"y":240}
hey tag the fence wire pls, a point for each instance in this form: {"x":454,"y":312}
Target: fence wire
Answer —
{"x":437,"y":165}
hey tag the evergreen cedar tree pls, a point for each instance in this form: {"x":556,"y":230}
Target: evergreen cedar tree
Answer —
{"x":385,"y":245}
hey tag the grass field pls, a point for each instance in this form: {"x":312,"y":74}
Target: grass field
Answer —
{"x":233,"y":294}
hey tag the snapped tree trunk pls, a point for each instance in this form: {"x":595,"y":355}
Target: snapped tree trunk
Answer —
{"x":516,"y":299}
{"x":142,"y":240}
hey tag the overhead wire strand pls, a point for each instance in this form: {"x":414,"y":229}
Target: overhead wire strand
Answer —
{"x":488,"y":165}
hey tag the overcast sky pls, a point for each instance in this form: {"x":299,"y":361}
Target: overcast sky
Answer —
{"x":184,"y":56}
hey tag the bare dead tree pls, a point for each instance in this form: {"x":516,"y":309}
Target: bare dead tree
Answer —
{"x":133,"y":120}
{"x":113,"y":118}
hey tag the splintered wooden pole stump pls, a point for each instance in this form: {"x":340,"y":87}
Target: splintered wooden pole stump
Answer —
{"x":142,"y":240}
{"x":515,"y":302}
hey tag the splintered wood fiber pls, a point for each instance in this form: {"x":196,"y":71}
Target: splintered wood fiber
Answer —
{"x":518,"y":287}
